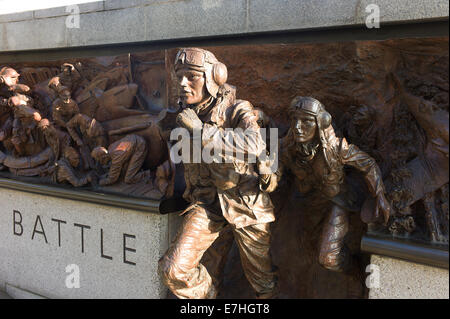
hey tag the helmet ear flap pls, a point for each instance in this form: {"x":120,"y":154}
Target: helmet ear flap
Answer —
{"x":220,"y":73}
{"x":324,"y":119}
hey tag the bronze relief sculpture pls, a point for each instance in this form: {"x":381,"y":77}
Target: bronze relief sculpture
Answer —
{"x":378,"y":154}
{"x":420,"y":179}
{"x":127,"y":153}
{"x":72,"y":146}
{"x":313,"y":153}
{"x":219,"y":193}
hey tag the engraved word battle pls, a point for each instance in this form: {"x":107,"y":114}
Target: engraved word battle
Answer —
{"x":43,"y":226}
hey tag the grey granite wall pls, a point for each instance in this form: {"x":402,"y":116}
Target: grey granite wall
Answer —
{"x":123,"y":21}
{"x":116,"y":250}
{"x":399,"y":279}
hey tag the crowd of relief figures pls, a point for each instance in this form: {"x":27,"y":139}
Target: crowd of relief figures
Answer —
{"x":83,"y":124}
{"x":103,"y":124}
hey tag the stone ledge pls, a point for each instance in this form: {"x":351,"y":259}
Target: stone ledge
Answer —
{"x":142,"y":205}
{"x":433,"y":29}
{"x":121,"y":4}
{"x":20,"y":16}
{"x":119,"y":21}
{"x":61,"y":11}
{"x":435,"y":256}
{"x":405,"y":10}
{"x":17,"y":293}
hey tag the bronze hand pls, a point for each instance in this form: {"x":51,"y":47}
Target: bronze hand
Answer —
{"x":189,"y":120}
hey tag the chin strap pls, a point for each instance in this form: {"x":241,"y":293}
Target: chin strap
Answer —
{"x":200,"y":109}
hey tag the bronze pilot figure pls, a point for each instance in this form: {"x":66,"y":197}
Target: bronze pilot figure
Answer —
{"x":316,"y":157}
{"x":219,"y":194}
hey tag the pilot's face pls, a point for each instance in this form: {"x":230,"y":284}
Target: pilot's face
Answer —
{"x":66,"y":70}
{"x":74,"y":160}
{"x":305,"y":127}
{"x":104,"y":159}
{"x":11,"y":77}
{"x":361,"y":116}
{"x":191,"y":86}
{"x":65,"y":96}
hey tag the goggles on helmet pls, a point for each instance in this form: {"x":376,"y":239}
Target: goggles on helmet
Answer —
{"x":193,"y":57}
{"x":309,"y":107}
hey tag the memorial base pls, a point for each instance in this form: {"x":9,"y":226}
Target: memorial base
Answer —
{"x":59,"y":248}
{"x":400,"y":279}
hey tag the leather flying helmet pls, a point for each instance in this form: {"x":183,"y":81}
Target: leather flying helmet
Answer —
{"x":216,"y":73}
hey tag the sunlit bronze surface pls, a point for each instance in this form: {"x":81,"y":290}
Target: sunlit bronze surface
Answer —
{"x":388,"y":98}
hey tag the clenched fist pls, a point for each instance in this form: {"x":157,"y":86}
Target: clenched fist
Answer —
{"x":189,"y":120}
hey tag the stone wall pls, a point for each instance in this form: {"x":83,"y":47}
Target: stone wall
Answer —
{"x":116,"y":250}
{"x":123,"y":21}
{"x":400,"y":279}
